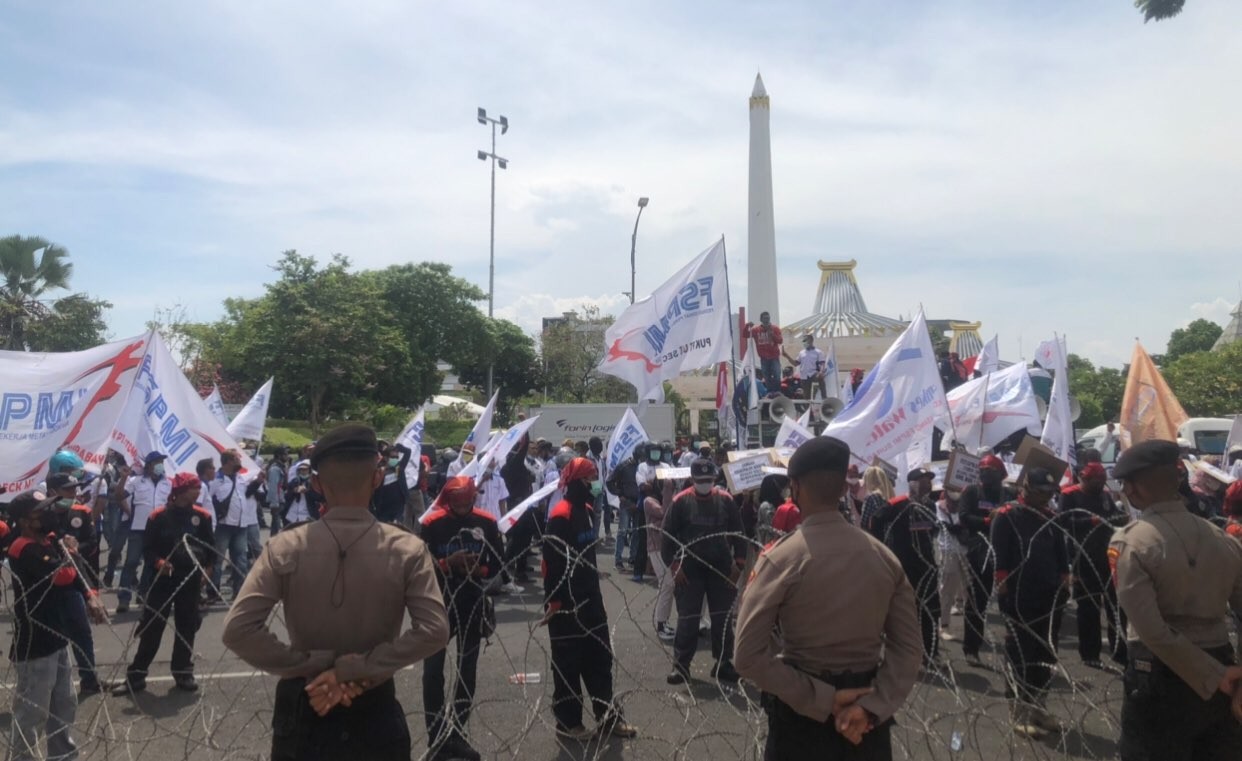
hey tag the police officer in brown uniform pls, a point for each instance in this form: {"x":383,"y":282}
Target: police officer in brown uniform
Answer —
{"x":829,"y":688}
{"x":1176,"y":577}
{"x":346,"y":582}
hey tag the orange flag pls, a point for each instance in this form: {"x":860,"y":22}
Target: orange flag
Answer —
{"x":1149,"y":410}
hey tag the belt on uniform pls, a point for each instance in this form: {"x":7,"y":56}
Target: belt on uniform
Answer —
{"x":842,"y":680}
{"x":1143,"y":660}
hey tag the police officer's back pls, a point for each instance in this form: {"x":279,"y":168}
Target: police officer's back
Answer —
{"x":346,"y":582}
{"x":828,"y":688}
{"x":1176,"y":576}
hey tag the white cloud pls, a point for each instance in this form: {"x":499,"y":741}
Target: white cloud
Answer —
{"x":1217,"y":310}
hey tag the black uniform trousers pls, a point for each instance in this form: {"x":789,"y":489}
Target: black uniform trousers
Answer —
{"x":581,"y":656}
{"x":638,"y":542}
{"x":978,"y":591}
{"x":703,"y":582}
{"x":1093,"y":590}
{"x":794,"y":737}
{"x":1028,"y":640}
{"x":178,"y":596}
{"x":1162,"y":719}
{"x":518,"y":543}
{"x":372,"y":728}
{"x":465,"y":613}
{"x":926,"y":582}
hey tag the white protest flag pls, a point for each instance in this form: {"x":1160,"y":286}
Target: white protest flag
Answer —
{"x":412,"y":437}
{"x":216,"y":404}
{"x":792,"y":435}
{"x":1046,"y":354}
{"x":726,"y":423}
{"x":832,"y":377}
{"x":509,"y":519}
{"x":805,"y":419}
{"x":628,"y":434}
{"x":1058,"y":432}
{"x":752,"y":384}
{"x":988,"y":360}
{"x":894,"y":410}
{"x":988,"y":410}
{"x":165,"y":414}
{"x":69,"y":400}
{"x":684,"y":325}
{"x":252,"y":419}
{"x":499,"y":450}
{"x":482,"y":427}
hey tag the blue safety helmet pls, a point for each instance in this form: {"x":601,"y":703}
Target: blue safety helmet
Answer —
{"x":65,"y":461}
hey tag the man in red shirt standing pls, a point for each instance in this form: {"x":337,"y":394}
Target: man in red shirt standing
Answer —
{"x":768,"y":342}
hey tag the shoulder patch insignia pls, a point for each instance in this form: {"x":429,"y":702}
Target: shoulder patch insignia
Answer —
{"x":195,"y":520}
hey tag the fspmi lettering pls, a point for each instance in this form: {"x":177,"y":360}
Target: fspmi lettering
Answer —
{"x":691,"y":298}
{"x":51,"y":410}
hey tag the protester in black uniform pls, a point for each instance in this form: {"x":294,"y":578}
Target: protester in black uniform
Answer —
{"x":704,"y":548}
{"x":977,"y":504}
{"x":388,"y":502}
{"x":180,"y":546}
{"x":518,"y":541}
{"x":1032,"y":568}
{"x":1089,"y":515}
{"x":908,"y":527}
{"x":465,"y":543}
{"x":575,"y":617}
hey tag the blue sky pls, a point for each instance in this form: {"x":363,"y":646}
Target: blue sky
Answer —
{"x":1055,"y":166}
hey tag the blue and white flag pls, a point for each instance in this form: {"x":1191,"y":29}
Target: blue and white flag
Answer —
{"x":252,"y":419}
{"x":628,"y":434}
{"x":412,"y":437}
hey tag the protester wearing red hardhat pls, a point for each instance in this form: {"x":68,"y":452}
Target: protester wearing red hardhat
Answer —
{"x":575,"y":617}
{"x":977,"y":504}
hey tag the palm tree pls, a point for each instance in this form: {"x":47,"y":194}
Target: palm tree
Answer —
{"x":29,"y":268}
{"x":1159,"y":10}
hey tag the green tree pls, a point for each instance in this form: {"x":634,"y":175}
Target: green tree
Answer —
{"x":438,"y":318}
{"x":72,"y":323}
{"x":1199,"y":335}
{"x":1098,"y":390}
{"x":29,"y":269}
{"x":1208,"y":383}
{"x":572,"y":350}
{"x":1159,"y":10}
{"x":516,"y":366}
{"x":324,"y":332}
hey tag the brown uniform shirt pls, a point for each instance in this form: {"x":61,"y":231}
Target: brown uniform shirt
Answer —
{"x":839,"y":596}
{"x":1177,"y":609}
{"x":340,"y":612}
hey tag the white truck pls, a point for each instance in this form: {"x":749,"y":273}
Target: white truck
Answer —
{"x":580,"y":422}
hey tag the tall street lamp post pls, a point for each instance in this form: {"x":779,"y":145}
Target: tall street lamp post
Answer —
{"x":503,"y":123}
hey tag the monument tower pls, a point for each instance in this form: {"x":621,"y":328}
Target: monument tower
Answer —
{"x":761,"y":230}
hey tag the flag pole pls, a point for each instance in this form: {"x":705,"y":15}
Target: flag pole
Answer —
{"x":732,"y":338}
{"x":983,"y":415}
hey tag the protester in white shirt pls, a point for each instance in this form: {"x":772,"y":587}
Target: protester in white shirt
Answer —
{"x":810,"y":364}
{"x":138,"y":498}
{"x":953,"y":565}
{"x":233,"y":501}
{"x":205,"y":469}
{"x":493,"y":494}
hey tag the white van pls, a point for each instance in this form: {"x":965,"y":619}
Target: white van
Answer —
{"x":1207,"y":435}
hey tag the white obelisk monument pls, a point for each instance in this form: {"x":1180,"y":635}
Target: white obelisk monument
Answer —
{"x":761,"y":232}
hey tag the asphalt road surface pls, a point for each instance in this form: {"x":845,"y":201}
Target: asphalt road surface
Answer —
{"x":229,"y":718}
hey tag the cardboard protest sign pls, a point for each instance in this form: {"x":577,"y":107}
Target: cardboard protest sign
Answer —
{"x":743,"y":475}
{"x":962,"y":472}
{"x":672,"y":474}
{"x":1032,"y":454}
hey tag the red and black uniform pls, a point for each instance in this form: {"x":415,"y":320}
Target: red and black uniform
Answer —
{"x":1032,"y":567}
{"x":581,"y":646}
{"x":1089,"y":521}
{"x":78,"y":522}
{"x":43,"y":579}
{"x":465,"y":599}
{"x":976,"y":507}
{"x":909,"y":529}
{"x":180,"y":537}
{"x":703,"y":537}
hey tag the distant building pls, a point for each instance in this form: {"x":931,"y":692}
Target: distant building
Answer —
{"x":1233,"y":331}
{"x":452,"y":383}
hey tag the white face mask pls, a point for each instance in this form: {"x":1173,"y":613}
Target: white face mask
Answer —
{"x":158,"y":469}
{"x":703,"y":487}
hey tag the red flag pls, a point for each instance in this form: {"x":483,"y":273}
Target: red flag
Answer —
{"x":722,"y":385}
{"x":741,"y":331}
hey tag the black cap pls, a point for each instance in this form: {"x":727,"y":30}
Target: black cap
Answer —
{"x":702,"y":468}
{"x":1042,"y":479}
{"x":350,"y":438}
{"x":918,"y":473}
{"x":1145,"y":455}
{"x":27,"y":502}
{"x":820,"y":453}
{"x":58,"y":481}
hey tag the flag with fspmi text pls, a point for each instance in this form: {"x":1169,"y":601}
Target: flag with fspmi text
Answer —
{"x":683,"y":325}
{"x":894,"y":410}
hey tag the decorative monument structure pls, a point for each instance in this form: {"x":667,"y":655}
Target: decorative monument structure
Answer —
{"x":861,"y":337}
{"x":1233,"y":331}
{"x":760,"y":227}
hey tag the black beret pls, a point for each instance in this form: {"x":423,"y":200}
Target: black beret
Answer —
{"x":1145,"y":455}
{"x":702,"y":467}
{"x":27,"y":502}
{"x":918,"y":473}
{"x":350,"y":438}
{"x":1042,"y":479}
{"x":820,"y":453}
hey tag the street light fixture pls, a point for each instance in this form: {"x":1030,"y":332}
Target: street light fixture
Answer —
{"x":503,"y":123}
{"x":642,"y":204}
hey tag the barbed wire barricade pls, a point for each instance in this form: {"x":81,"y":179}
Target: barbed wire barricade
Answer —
{"x":957,"y":710}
